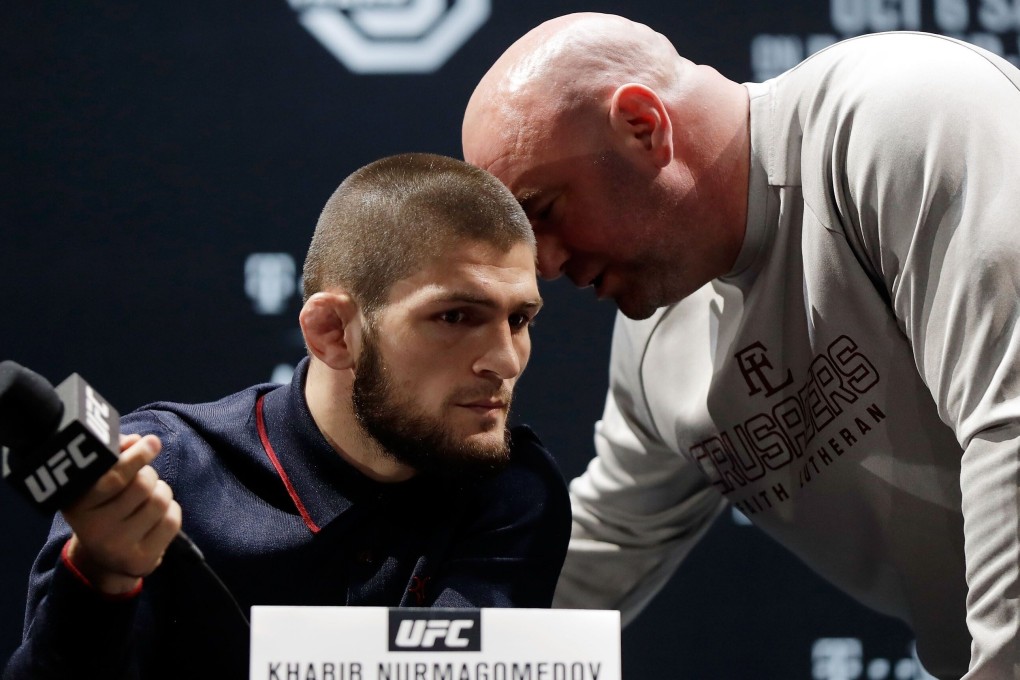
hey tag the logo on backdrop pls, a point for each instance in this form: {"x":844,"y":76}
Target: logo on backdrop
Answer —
{"x":449,"y":630}
{"x":392,"y":36}
{"x":844,"y":659}
{"x":269,"y":280}
{"x":837,"y":659}
{"x":991,"y":24}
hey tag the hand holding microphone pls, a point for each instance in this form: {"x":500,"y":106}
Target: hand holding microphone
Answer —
{"x":125,"y":522}
{"x":64,"y":451}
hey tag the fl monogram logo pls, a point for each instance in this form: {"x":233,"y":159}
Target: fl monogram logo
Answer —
{"x":392,"y":36}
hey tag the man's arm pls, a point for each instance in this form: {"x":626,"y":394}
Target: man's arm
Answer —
{"x":937,"y":208}
{"x":85,"y":581}
{"x":639,"y":508}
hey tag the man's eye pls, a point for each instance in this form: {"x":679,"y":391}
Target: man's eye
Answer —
{"x":518,"y":321}
{"x":453,"y":316}
{"x":542,"y":213}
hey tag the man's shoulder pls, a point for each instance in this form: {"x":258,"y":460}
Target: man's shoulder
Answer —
{"x":901,"y":45}
{"x":530,"y":457}
{"x":926,"y":62}
{"x":530,"y":491}
{"x":171,"y":417}
{"x":533,"y":475}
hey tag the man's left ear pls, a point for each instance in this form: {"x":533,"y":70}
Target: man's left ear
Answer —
{"x":331,"y":324}
{"x":640,"y":121}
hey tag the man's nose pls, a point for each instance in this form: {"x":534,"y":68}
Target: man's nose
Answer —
{"x":501,"y":357}
{"x":551,"y":256}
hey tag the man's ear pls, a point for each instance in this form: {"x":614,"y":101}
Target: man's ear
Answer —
{"x":641,"y":123}
{"x":331,"y":324}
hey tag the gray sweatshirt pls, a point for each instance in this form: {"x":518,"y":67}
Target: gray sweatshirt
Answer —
{"x":853,"y":384}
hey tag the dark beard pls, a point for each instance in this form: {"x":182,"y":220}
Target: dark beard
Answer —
{"x":412,"y":437}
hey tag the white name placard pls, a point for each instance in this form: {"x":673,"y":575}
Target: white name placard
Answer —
{"x":381,"y":643}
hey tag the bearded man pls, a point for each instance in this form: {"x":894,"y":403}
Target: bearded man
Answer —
{"x":384,"y":474}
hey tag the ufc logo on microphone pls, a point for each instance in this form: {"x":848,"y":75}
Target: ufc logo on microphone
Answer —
{"x":448,"y":630}
{"x":97,"y":415}
{"x":54,"y":474}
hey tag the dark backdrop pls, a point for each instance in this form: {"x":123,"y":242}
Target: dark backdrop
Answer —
{"x":150,"y":150}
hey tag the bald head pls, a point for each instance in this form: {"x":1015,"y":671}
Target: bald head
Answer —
{"x":567,"y":65}
{"x":630,"y":161}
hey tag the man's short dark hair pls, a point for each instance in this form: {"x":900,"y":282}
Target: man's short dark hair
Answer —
{"x":389,"y":217}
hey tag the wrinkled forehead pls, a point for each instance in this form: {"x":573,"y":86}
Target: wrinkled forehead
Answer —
{"x":496,"y":124}
{"x":540,"y":154}
{"x":512,"y":137}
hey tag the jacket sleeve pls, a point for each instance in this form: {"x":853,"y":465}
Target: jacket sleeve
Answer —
{"x":71,"y":629}
{"x":934,"y":197}
{"x":640,"y":507}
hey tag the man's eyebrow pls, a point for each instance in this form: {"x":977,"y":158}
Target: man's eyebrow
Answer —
{"x":528,"y":198}
{"x":468,"y":298}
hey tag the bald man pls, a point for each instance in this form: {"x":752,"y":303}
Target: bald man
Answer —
{"x":818,"y":282}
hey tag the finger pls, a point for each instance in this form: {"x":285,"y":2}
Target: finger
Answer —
{"x":160,"y":536}
{"x":151,"y":513}
{"x":118,"y":477}
{"x":127,"y":440}
{"x":127,"y":549}
{"x":137,"y":492}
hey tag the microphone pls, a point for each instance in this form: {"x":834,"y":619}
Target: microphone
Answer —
{"x":59,"y":441}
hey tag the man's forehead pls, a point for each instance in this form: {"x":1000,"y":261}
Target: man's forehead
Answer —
{"x":496,"y":150}
{"x":474,"y":273}
{"x":519,"y":169}
{"x":534,"y":157}
{"x":497,"y":296}
{"x":529,"y":193}
{"x":504,"y":135}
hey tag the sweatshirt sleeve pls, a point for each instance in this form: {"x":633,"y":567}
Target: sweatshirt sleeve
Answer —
{"x":933,"y":192}
{"x":640,"y":507}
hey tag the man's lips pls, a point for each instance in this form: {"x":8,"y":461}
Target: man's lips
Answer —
{"x":485,"y":402}
{"x":485,"y":406}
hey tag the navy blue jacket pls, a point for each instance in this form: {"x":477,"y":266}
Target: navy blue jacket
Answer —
{"x":282,"y":519}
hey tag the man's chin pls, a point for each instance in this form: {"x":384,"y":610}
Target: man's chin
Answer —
{"x":483,"y":442}
{"x":488,"y":442}
{"x":640,"y":302}
{"x":477,"y":457}
{"x":636,"y":310}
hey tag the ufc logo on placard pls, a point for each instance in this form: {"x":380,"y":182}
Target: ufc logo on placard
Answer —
{"x":447,"y":631}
